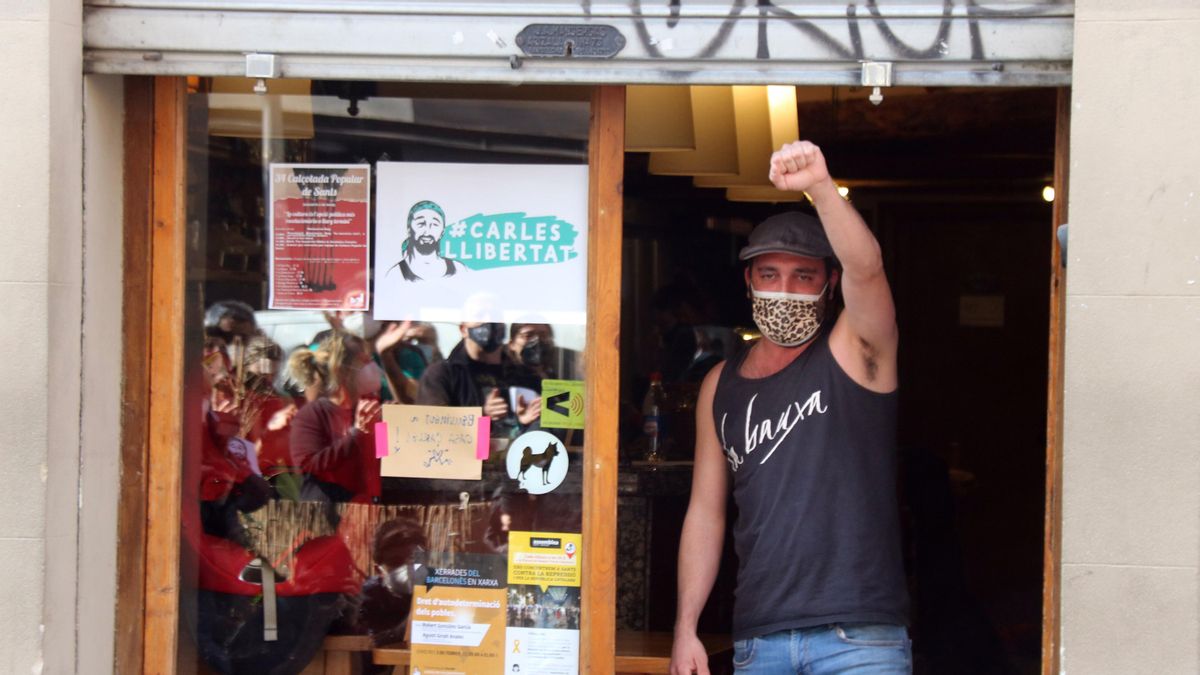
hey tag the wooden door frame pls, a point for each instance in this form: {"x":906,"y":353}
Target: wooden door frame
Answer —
{"x":135,"y":388}
{"x":1052,"y":548}
{"x":146,"y":637}
{"x":148,"y":554}
{"x":151,"y":392}
{"x":606,"y":162}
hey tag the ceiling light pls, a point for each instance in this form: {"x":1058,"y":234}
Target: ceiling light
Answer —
{"x":715,"y":132}
{"x":658,"y":118}
{"x":1048,"y":193}
{"x":766,"y":119}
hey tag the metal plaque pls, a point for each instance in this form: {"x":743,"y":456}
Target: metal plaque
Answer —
{"x":570,"y":40}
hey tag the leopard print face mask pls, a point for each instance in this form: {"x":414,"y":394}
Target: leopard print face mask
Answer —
{"x":788,"y":319}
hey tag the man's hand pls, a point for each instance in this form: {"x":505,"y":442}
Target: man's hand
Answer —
{"x":494,"y":405}
{"x":282,"y":418}
{"x":392,"y":336}
{"x":799,"y":167}
{"x":400,"y":332}
{"x":367,"y":414}
{"x":688,"y":656}
{"x":527,"y":413}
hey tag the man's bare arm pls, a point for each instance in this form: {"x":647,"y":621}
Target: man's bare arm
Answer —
{"x":870,"y":313}
{"x":703,"y":535}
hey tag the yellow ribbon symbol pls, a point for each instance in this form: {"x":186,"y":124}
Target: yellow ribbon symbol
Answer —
{"x":516,"y":647}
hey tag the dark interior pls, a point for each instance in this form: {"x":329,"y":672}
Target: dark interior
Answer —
{"x":951,"y":183}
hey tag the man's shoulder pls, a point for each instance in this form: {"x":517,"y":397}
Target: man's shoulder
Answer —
{"x":436,"y":370}
{"x":708,"y":386}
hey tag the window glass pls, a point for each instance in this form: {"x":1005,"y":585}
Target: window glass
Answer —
{"x":383,"y":376}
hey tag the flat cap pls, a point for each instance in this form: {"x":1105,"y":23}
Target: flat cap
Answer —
{"x":792,"y":232}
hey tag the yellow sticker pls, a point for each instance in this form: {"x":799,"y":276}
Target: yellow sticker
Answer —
{"x":544,"y":559}
{"x":562,"y":404}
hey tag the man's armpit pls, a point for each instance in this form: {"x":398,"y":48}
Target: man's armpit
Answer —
{"x":870,"y":359}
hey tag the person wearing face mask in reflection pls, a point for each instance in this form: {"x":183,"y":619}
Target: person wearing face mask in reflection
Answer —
{"x":529,"y":357}
{"x":387,"y":596}
{"x":332,"y":437}
{"x":800,"y":429}
{"x":473,"y":375}
{"x":393,"y":386}
{"x":531,"y":353}
{"x":233,"y":322}
{"x":271,"y":411}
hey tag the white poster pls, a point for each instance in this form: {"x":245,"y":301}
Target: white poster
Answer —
{"x":481,"y":242}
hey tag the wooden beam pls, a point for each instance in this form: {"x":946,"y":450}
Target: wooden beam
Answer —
{"x":163,"y":479}
{"x":606,"y":157}
{"x":1052,"y":549}
{"x":135,"y":384}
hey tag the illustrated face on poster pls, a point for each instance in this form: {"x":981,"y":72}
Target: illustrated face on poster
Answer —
{"x":537,"y":461}
{"x":481,"y":242}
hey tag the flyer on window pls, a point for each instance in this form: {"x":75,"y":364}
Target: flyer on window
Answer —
{"x":318,"y":236}
{"x":544,"y":574}
{"x":481,"y":242}
{"x":458,"y":611}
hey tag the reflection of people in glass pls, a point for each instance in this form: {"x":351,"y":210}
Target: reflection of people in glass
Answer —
{"x":422,"y":258}
{"x":228,"y":482}
{"x":270,"y":412}
{"x":531,"y":351}
{"x":332,"y":437}
{"x":386,"y":597}
{"x":474,"y":375}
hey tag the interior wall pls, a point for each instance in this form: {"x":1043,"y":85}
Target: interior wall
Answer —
{"x":1131,"y":459}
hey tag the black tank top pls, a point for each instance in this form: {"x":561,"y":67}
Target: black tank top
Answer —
{"x":812,"y":456}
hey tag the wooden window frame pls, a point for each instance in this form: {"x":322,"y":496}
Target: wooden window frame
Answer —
{"x":155,"y":230}
{"x":147,"y":618}
{"x":1052,"y":545}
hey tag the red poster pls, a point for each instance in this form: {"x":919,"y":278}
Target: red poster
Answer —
{"x":319,"y":246}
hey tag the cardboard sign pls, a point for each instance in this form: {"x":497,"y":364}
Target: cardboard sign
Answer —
{"x":427,"y":441}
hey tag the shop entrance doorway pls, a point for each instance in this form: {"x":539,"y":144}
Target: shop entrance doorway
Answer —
{"x":952,"y":182}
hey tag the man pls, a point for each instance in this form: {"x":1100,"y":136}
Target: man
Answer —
{"x":803,"y":426}
{"x":229,"y":319}
{"x":422,"y":257}
{"x":530,"y":353}
{"x":473,"y":376}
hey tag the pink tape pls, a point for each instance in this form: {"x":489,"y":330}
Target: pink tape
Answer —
{"x":483,"y":437}
{"x":381,"y":440}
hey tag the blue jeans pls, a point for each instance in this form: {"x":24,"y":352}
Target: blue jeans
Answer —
{"x":859,"y":648}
